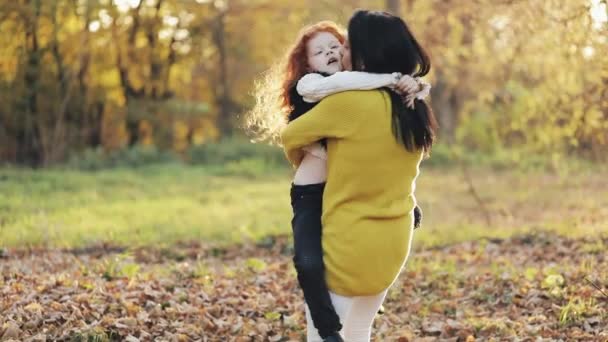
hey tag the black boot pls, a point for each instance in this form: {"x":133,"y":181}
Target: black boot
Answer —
{"x":335,"y":337}
{"x":417,"y":217}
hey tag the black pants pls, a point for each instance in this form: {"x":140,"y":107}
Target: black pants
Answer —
{"x":306,"y":201}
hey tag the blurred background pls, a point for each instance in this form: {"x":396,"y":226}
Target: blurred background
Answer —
{"x":78,"y":75}
{"x":151,"y":95}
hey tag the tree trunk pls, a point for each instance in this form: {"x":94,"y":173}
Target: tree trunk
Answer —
{"x":55,"y":142}
{"x":223,"y":98}
{"x":92,"y":108}
{"x":393,"y":6}
{"x":156,"y":63}
{"x":408,"y":7}
{"x":29,"y":139}
{"x":122,"y":64}
{"x":445,"y":111}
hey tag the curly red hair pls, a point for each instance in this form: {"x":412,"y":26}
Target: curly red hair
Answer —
{"x":297,"y":56}
{"x":273,"y":105}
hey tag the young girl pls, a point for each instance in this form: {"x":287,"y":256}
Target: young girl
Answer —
{"x":312,"y":71}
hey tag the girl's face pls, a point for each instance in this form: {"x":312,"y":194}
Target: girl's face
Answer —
{"x":346,"y":60}
{"x":323,"y":51}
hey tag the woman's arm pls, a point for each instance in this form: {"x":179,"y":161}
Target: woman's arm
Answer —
{"x":334,"y":117}
{"x":314,"y":87}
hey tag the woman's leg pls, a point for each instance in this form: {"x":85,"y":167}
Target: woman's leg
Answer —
{"x":308,"y":258}
{"x":358,"y":322}
{"x":342,"y":306}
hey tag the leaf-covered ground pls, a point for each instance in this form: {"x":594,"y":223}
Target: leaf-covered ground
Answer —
{"x":539,"y":287}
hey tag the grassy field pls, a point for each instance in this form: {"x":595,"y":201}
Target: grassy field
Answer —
{"x":169,"y":203}
{"x":502,"y":255}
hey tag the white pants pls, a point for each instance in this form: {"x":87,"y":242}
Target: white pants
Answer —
{"x":356,"y":314}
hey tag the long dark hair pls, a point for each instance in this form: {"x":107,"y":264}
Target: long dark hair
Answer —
{"x":382,"y":43}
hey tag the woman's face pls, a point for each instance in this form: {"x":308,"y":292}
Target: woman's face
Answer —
{"x":324,"y":53}
{"x":346,"y":60}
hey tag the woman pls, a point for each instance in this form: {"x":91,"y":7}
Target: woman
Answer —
{"x":375,"y":142}
{"x":312,"y":70}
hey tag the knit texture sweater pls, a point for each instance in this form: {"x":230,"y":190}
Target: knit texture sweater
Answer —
{"x":369,"y":196}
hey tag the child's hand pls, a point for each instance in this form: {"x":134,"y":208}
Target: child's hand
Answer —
{"x":407,"y":85}
{"x":411,"y":88}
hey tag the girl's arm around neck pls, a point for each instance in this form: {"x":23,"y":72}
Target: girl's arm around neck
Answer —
{"x":314,"y":87}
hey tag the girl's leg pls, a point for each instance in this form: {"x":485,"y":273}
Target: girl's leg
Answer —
{"x":308,"y":258}
{"x":342,"y":306}
{"x":358,"y":323}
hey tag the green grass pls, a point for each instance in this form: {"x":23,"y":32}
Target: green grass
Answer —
{"x":162,"y":204}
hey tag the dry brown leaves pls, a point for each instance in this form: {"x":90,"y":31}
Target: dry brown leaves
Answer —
{"x":530,"y":288}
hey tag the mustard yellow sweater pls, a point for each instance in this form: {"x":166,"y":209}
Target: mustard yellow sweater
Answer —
{"x":369,"y":195}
